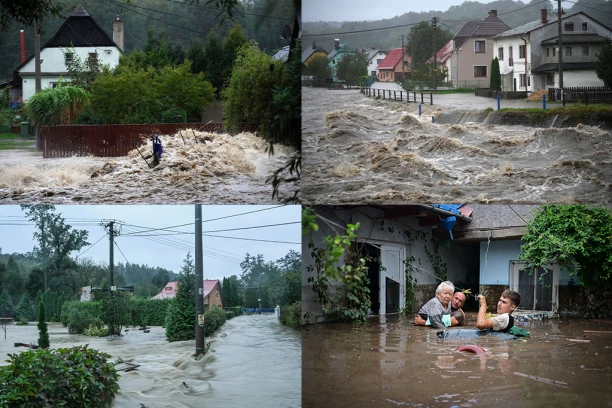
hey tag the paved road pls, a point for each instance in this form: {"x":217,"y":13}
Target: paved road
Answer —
{"x":465,"y":101}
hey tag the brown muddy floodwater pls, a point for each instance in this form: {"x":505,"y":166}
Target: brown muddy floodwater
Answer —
{"x":253,"y":361}
{"x":196,"y":166}
{"x":387,"y":362}
{"x":362,"y":150}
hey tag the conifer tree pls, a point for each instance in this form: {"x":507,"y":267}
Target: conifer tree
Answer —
{"x":495,"y":76}
{"x":43,"y":338}
{"x":181,"y":316}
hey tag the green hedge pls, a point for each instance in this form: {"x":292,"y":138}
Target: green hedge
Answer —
{"x":291,"y":315}
{"x":78,"y":316}
{"x":213,"y":319}
{"x":54,"y":303}
{"x":149,"y":312}
{"x":72,"y":377}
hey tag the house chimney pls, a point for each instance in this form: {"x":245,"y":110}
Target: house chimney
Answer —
{"x":314,"y":45}
{"x":494,"y":12}
{"x":337,"y":43}
{"x":544,"y":16}
{"x":118,"y":36}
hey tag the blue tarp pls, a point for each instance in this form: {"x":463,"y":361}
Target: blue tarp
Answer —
{"x":454,"y":208}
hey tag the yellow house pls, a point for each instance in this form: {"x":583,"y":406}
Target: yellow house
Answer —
{"x":212,"y":293}
{"x":309,"y":53}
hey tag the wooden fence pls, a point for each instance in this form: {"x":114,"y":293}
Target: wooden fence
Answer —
{"x":586,"y":95}
{"x":112,"y":140}
{"x":397,"y":95}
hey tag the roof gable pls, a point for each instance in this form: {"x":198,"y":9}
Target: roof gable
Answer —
{"x":391,"y":60}
{"x":307,"y":53}
{"x":537,"y":24}
{"x":340,"y":49}
{"x":444,"y":53}
{"x":80,"y":30}
{"x":487,"y":28}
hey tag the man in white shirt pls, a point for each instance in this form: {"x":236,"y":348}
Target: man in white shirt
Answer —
{"x":504,"y":321}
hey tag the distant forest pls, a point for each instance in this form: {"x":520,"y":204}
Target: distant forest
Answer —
{"x":513,"y":13}
{"x":183,"y":21}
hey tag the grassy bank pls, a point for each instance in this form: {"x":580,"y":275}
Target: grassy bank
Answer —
{"x":10,"y":141}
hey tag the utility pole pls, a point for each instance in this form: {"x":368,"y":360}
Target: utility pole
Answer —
{"x":44,"y":248}
{"x":560,"y":42}
{"x":435,"y":21}
{"x":403,"y":59}
{"x":111,"y":262}
{"x":37,"y":81}
{"x":199,"y":281}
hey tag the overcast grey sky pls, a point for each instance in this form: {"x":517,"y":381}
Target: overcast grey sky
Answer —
{"x":222,"y":256}
{"x":360,"y":10}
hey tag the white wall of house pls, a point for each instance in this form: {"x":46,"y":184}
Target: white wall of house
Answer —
{"x":53,"y":66}
{"x":495,"y":264}
{"x":377,"y":59}
{"x":579,"y":78}
{"x":518,"y":64}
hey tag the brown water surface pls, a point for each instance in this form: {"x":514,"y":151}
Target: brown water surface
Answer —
{"x":387,"y":362}
{"x":253,"y":361}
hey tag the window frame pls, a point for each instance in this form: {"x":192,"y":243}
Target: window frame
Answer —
{"x":585,"y":26}
{"x":485,"y":71}
{"x":484,"y":46}
{"x":500,"y":53}
{"x":568,"y":52}
{"x":585,"y":48}
{"x":523,"y":48}
{"x":568,"y":26}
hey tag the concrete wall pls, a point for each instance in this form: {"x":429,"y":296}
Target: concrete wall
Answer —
{"x":377,"y":59}
{"x":53,"y":66}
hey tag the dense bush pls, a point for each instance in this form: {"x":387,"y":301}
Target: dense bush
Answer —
{"x":78,"y":316}
{"x":25,"y":309}
{"x":174,"y":115}
{"x":236,"y":310}
{"x":291,"y":315}
{"x":73,"y":377}
{"x":229,"y":315}
{"x":213,"y":319}
{"x":115,"y":311}
{"x":149,"y":312}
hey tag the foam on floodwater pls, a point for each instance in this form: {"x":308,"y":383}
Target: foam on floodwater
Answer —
{"x":65,"y":172}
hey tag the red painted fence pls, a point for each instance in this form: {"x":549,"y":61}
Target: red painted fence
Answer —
{"x":112,"y":140}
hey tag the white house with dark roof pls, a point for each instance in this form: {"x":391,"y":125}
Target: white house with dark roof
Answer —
{"x":528,"y":54}
{"x":373,"y":57}
{"x":472,"y":51}
{"x":89,"y":41}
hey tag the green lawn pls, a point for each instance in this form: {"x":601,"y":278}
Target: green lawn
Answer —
{"x":455,"y":91}
{"x":13,"y":141}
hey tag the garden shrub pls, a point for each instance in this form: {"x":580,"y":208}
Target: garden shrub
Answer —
{"x":213,"y":319}
{"x":291,"y":315}
{"x":229,"y":314}
{"x":72,"y":377}
{"x":78,"y":316}
{"x":96,"y":329}
{"x":115,"y":311}
{"x":236,"y":310}
{"x":149,"y":312}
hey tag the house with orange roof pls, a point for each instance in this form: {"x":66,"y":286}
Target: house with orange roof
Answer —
{"x":443,"y":61}
{"x":212,"y":293}
{"x":391,"y":68}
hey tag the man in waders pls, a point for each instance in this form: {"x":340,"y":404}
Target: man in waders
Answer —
{"x":504,"y":321}
{"x":157,"y":149}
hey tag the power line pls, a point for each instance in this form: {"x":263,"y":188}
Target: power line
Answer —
{"x":233,"y":11}
{"x":253,"y":239}
{"x":362,"y":31}
{"x":254,"y":227}
{"x":91,"y":246}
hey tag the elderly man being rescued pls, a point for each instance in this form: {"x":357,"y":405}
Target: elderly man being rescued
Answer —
{"x":438,"y":312}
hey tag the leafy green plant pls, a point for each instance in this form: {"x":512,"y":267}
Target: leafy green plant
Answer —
{"x":229,"y":315}
{"x":291,"y":315}
{"x":115,"y":310}
{"x":96,"y":329}
{"x":56,"y":106}
{"x":174,"y":115}
{"x":213,"y":319}
{"x":78,"y":316}
{"x":181,"y":316}
{"x":43,"y":337}
{"x":73,"y":377}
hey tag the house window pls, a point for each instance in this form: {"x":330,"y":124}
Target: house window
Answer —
{"x":569,"y":26}
{"x":217,"y":292}
{"x":374,"y":74}
{"x":510,"y":59}
{"x":479,"y":46}
{"x":68,"y":57}
{"x":521,"y":80}
{"x":539,"y":288}
{"x":92,"y":61}
{"x":480,"y":71}
{"x":568,"y":51}
{"x":550,"y":79}
{"x":521,"y":51}
{"x":585,"y":50}
{"x":500,"y":53}
{"x":554,"y":50}
{"x":548,"y":52}
{"x":584,"y":26}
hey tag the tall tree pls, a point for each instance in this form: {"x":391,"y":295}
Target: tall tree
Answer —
{"x":420,"y":42}
{"x":603,"y":64}
{"x":181,"y":315}
{"x":351,"y":68}
{"x":56,"y":241}
{"x":231,"y":44}
{"x":495,"y":76}
{"x":215,"y":62}
{"x":318,"y":68}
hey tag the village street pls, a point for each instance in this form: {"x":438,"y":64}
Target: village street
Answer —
{"x":365,"y":150}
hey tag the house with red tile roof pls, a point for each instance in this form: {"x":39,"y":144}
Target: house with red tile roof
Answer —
{"x":212,"y":293}
{"x":443,"y":61}
{"x":391,"y":68}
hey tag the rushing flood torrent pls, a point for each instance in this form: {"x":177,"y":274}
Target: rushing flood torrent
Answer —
{"x":196,"y":166}
{"x":363,"y":150}
{"x":390,"y":363}
{"x":253,"y":361}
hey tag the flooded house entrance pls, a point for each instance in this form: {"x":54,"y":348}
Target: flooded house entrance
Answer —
{"x":386,"y":274}
{"x":539,"y":289}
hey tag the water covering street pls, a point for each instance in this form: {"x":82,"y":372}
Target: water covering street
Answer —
{"x":253,"y":361}
{"x":387,"y":362}
{"x":365,"y":150}
{"x":196,"y":167}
